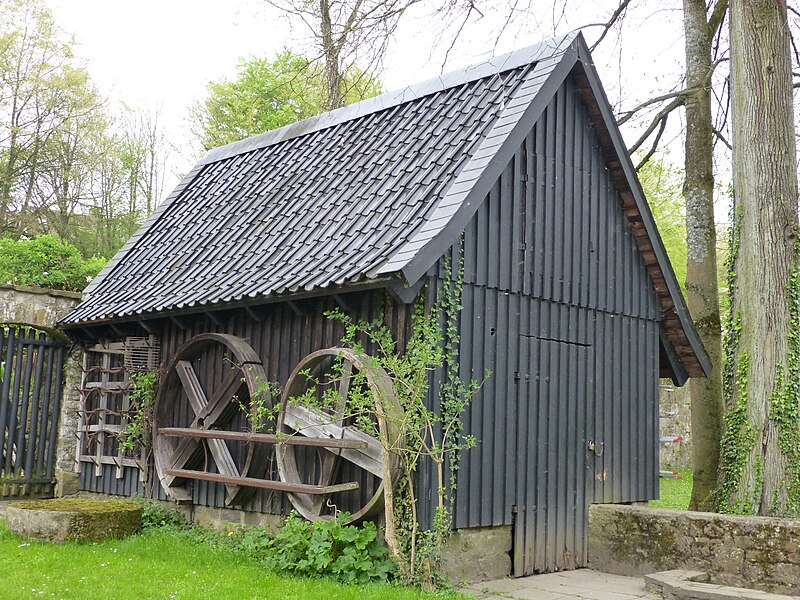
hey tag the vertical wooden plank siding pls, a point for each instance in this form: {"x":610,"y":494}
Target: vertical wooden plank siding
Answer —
{"x":577,"y":359}
{"x":32,"y":376}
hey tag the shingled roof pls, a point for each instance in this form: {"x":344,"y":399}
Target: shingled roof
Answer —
{"x":369,"y":194}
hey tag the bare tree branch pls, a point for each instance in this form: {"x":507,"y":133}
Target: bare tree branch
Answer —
{"x":628,"y":114}
{"x":617,"y":14}
{"x":654,"y":145}
{"x":661,"y":115}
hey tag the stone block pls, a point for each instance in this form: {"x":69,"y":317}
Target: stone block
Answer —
{"x":73,"y":519}
{"x":66,"y":484}
{"x":479,"y":554}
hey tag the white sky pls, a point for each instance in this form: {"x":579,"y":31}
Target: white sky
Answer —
{"x":163,"y":52}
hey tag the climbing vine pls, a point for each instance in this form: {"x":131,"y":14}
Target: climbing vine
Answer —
{"x":739,"y":436}
{"x":430,"y":433}
{"x":783,"y":402}
{"x":136,"y":438}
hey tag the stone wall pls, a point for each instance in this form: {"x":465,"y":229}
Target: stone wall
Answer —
{"x":35,"y":306}
{"x":675,"y":420}
{"x":43,"y":308}
{"x":756,"y":552}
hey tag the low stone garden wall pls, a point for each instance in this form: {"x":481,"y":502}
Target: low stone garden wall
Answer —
{"x":755,"y":552}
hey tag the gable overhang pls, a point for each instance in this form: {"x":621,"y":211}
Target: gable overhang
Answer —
{"x":682,"y":350}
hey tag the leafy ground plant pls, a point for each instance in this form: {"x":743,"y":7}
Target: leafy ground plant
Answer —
{"x":162,"y":563}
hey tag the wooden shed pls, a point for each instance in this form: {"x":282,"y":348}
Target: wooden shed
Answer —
{"x":568,"y":295}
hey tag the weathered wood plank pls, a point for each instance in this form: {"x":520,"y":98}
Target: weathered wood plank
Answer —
{"x":268,"y":484}
{"x":261,"y":438}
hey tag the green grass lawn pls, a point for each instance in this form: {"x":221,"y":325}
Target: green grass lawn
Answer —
{"x":675,"y":493}
{"x":161,"y":563}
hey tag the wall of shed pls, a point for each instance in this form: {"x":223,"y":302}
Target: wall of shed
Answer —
{"x":559,"y":307}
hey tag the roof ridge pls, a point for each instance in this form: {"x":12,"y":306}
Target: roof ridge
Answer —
{"x":497,"y":64}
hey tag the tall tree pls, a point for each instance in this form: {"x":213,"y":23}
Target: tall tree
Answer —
{"x":701,"y":24}
{"x":267,"y":94}
{"x":349,"y":36}
{"x":760,"y":460}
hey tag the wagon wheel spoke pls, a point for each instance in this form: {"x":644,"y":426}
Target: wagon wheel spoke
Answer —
{"x":314,"y":423}
{"x":329,"y":458}
{"x":366,"y":456}
{"x":208,"y":414}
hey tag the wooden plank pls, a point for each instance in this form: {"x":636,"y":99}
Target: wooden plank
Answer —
{"x":194,"y":391}
{"x":267,"y":484}
{"x":261,"y":438}
{"x":312,"y":423}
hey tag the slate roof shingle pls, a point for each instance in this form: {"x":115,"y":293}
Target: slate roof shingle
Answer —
{"x":370,"y":194}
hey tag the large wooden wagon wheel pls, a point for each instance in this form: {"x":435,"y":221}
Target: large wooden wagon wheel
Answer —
{"x":337,"y":422}
{"x":177,"y":450}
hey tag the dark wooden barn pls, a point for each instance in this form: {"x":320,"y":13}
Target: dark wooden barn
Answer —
{"x":568,"y":297}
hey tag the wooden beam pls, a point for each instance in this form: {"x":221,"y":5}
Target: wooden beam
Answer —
{"x":252,"y":314}
{"x":262,"y":438}
{"x":214,"y":319}
{"x":148,"y":327}
{"x":267,"y":484}
{"x":180,"y":323}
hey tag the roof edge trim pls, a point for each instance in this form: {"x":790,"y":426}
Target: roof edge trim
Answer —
{"x":433,"y":248}
{"x":122,"y":252}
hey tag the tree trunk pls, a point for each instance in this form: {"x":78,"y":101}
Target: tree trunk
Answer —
{"x":332,"y":50}
{"x":760,"y":447}
{"x":702,"y":296}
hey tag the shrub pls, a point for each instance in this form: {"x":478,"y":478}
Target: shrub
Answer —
{"x":46,"y":261}
{"x":330,"y":549}
{"x":155,"y":515}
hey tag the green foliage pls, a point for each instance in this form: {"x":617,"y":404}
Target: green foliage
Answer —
{"x":328,"y":548}
{"x":784,"y":405}
{"x":428,"y":432}
{"x":46,"y":261}
{"x":163,"y":562}
{"x":268,"y":94}
{"x":136,"y":438}
{"x":662,"y":187}
{"x":70,"y":163}
{"x":261,"y":411}
{"x":155,"y":514}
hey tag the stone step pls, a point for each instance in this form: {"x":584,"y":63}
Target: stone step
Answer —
{"x":680,"y":584}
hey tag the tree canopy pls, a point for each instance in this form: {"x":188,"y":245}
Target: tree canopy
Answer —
{"x":47,"y":262}
{"x":70,"y":163}
{"x":268,"y":94}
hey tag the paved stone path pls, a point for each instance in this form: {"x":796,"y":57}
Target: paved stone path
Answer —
{"x":568,"y":585}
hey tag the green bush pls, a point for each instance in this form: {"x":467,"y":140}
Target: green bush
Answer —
{"x":329,"y":549}
{"x":155,"y":515}
{"x":46,"y":261}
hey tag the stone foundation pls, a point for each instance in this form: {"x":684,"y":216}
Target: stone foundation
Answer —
{"x":478,"y":554}
{"x":755,"y":552}
{"x":73,"y":519}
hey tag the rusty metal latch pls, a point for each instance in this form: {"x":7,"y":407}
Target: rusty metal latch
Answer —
{"x":595,"y":448}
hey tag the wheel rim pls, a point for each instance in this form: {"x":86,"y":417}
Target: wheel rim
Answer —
{"x":212,"y":410}
{"x":301,"y":420}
